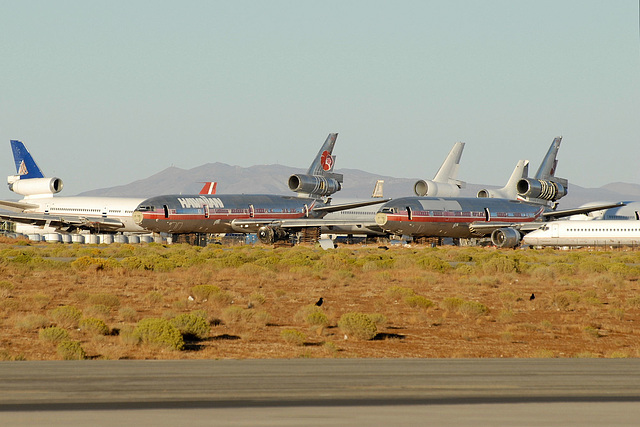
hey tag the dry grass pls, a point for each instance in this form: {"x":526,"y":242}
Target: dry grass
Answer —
{"x":425,"y":302}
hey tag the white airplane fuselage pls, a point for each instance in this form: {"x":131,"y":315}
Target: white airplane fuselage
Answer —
{"x":118,"y":208}
{"x":585,"y":233}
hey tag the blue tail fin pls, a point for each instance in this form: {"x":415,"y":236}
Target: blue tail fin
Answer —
{"x":26,"y":167}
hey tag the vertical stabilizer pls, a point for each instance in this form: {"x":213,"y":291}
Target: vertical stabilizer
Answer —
{"x":26,"y":167}
{"x":377,"y":190}
{"x":547,"y":168}
{"x":448,"y":171}
{"x":324,"y":160}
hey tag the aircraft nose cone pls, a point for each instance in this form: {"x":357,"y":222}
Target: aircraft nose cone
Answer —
{"x":381,"y":218}
{"x":137,"y":217}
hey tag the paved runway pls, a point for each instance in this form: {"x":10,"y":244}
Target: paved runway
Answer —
{"x":322,"y":392}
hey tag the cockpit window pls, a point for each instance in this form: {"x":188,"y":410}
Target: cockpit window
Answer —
{"x":388,"y":210}
{"x":146,"y":208}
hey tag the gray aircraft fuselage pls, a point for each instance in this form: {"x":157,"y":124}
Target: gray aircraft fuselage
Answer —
{"x":452,"y":216}
{"x":216,"y":213}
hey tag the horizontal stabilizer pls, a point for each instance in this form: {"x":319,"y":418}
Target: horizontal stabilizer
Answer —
{"x":16,"y":206}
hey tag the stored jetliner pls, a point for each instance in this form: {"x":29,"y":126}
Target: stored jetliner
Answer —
{"x":464,"y":217}
{"x":630,"y":211}
{"x":272,"y":217}
{"x":40,"y":208}
{"x":586,"y":233}
{"x":363,"y":220}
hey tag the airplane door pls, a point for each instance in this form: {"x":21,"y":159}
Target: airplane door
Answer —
{"x":104,"y":212}
{"x":554,"y":230}
{"x":306,"y":211}
{"x":206,"y":210}
{"x":487,"y":215}
{"x":165,"y":208}
{"x":409,"y":213}
{"x":252,"y":211}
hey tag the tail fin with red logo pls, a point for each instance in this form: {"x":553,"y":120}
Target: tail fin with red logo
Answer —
{"x":209,"y":188}
{"x":319,"y":181}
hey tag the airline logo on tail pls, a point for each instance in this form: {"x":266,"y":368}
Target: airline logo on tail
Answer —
{"x":22,"y":170}
{"x":326,"y":160}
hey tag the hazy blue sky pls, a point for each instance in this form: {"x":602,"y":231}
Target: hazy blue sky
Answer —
{"x":107,"y":92}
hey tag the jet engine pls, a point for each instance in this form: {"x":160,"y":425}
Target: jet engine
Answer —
{"x":506,"y":237}
{"x":485,"y":192}
{"x":314,"y":184}
{"x":428,"y":188}
{"x":269,"y":235}
{"x":541,"y":189}
{"x":35,"y":186}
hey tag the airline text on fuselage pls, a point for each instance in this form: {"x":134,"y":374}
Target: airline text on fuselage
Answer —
{"x":198,"y":202}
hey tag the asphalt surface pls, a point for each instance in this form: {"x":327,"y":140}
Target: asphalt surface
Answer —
{"x":322,"y":392}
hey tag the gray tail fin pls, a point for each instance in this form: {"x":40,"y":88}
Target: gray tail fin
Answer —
{"x":547,"y":168}
{"x":448,"y":171}
{"x":324,"y":161}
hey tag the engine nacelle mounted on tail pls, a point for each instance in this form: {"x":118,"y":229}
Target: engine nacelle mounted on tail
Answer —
{"x":428,"y":188}
{"x":506,"y":237}
{"x":541,"y":189}
{"x":34,"y":186}
{"x":315,"y":185}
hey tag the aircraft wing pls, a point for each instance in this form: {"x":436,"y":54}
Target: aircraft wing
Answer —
{"x":303,"y":222}
{"x":16,"y":206}
{"x":346,"y":206}
{"x":577,"y":211}
{"x":63,"y":221}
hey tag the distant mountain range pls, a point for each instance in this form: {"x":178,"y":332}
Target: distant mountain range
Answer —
{"x":272,"y":179}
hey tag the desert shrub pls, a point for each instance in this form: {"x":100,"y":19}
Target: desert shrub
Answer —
{"x":32,"y":322}
{"x":451,"y":303}
{"x":293,"y":337}
{"x":99,"y":310}
{"x":71,"y":350}
{"x":317,"y":318}
{"x":128,"y":335}
{"x":617,"y":313}
{"x":92,"y":263}
{"x":433,"y":263}
{"x":154,"y":298}
{"x":53,"y":334}
{"x":66,"y":316}
{"x":159,"y":332}
{"x":472,"y":309}
{"x":591,"y":266}
{"x":128,"y":314}
{"x":633,"y":302}
{"x":108,"y":300}
{"x":399,"y":292}
{"x":94,"y":326}
{"x":191,"y":324}
{"x":418,"y":301}
{"x":40,"y":300}
{"x":378,"y":319}
{"x":257,"y":298}
{"x":5,"y":288}
{"x":235,"y":314}
{"x":312,"y":315}
{"x":500,"y":264}
{"x":565,"y":300}
{"x":358,"y":325}
{"x":202,"y":292}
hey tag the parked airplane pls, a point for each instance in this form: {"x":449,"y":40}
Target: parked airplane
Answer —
{"x":543,"y":188}
{"x":463,"y":217}
{"x":586,"y":233}
{"x":273,"y":217}
{"x":362,"y":220}
{"x":40,"y":208}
